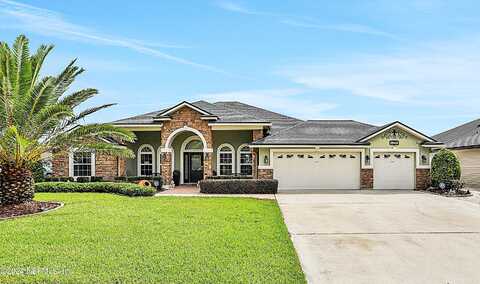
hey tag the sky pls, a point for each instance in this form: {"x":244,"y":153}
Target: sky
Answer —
{"x":375,"y":61}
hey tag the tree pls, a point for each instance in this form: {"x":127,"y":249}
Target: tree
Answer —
{"x":38,"y":117}
{"x":445,"y":167}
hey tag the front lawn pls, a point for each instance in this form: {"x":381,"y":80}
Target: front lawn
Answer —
{"x":107,"y":238}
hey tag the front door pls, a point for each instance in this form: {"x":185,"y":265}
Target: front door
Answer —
{"x":192,"y":167}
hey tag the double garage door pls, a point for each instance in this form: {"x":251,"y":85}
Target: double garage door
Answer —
{"x":312,"y":170}
{"x":341,"y":170}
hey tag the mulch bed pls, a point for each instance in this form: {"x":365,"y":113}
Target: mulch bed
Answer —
{"x":27,"y":208}
{"x":459,"y":193}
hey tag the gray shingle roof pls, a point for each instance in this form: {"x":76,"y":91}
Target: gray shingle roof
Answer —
{"x":320,"y":132}
{"x":227,"y":112}
{"x":463,"y":136}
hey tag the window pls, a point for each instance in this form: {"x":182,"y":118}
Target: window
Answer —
{"x":82,"y":164}
{"x":245,"y":160}
{"x":194,"y":145}
{"x":225,"y":160}
{"x":145,"y":160}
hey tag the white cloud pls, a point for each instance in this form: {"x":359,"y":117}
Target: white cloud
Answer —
{"x":46,"y":22}
{"x":304,"y":22}
{"x":351,"y":28}
{"x":437,"y":74}
{"x":286,"y":101}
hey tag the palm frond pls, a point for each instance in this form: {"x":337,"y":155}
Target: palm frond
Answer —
{"x":79,"y":97}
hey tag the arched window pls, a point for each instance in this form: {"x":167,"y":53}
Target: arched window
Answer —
{"x":245,"y":160}
{"x":225,"y":160}
{"x":145,"y":160}
{"x":196,"y":144}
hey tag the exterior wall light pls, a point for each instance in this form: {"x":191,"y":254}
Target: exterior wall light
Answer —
{"x":265,"y":160}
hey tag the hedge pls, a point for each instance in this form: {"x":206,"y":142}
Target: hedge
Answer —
{"x":239,"y":186}
{"x":128,"y":189}
{"x":230,"y":177}
{"x":445,"y":167}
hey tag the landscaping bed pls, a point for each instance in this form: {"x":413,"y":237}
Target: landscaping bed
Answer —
{"x":449,"y":193}
{"x":27,"y":208}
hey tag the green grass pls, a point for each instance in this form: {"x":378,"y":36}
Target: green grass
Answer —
{"x":108,"y":238}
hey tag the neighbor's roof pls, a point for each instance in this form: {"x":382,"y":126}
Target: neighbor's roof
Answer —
{"x":320,"y":132}
{"x":464,"y":136}
{"x":227,"y":112}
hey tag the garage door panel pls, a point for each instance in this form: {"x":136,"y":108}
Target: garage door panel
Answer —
{"x":394,"y":171}
{"x":309,"y":170}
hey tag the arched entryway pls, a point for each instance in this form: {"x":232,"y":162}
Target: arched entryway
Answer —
{"x":193,"y":155}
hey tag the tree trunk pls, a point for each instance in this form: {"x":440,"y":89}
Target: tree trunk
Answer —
{"x":16,"y":184}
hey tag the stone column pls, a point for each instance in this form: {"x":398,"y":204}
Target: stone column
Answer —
{"x":207,"y":164}
{"x":166,"y":168}
{"x":366,"y":179}
{"x":254,"y":163}
{"x":423,"y":179}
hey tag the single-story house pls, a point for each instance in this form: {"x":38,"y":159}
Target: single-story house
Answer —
{"x":201,"y":139}
{"x":464,"y":141}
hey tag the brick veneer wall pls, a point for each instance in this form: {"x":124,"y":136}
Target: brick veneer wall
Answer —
{"x":422,"y":179}
{"x":185,"y":116}
{"x":366,"y":179}
{"x":60,"y":165}
{"x":265,"y":173}
{"x":106,"y":166}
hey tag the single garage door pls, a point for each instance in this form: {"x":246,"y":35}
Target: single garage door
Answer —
{"x":394,"y":171}
{"x":313,"y":170}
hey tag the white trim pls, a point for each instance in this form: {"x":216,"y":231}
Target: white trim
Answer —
{"x":238,"y":171}
{"x":183,"y":150}
{"x":141,"y":127}
{"x":218,"y":156}
{"x":139,"y":173}
{"x":168,"y":143}
{"x":439,"y":146}
{"x":265,"y":167}
{"x":398,"y":124}
{"x":310,"y":146}
{"x":183,"y":104}
{"x":70,"y":162}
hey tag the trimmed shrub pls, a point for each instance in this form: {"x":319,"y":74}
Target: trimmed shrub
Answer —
{"x":445,"y":167}
{"x":83,"y":179}
{"x":59,"y":179}
{"x":230,"y":177}
{"x":136,"y":179}
{"x":96,"y":179}
{"x":239,"y":186}
{"x":128,"y":189}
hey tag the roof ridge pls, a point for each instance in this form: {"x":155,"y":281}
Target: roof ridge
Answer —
{"x":281,"y":131}
{"x":256,"y":107}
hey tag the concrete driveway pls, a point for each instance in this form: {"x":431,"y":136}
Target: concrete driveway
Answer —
{"x":384,"y":237}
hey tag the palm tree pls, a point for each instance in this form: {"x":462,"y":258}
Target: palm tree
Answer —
{"x":37,"y":117}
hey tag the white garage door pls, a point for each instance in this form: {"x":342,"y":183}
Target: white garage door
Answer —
{"x":394,"y":171}
{"x":317,"y":170}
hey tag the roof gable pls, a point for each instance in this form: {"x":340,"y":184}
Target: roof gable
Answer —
{"x":465,"y":135}
{"x":400,"y":125}
{"x":176,"y":107}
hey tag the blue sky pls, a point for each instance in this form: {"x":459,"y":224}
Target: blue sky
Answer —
{"x":375,"y":61}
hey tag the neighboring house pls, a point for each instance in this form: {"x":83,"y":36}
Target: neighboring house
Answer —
{"x":201,"y":139}
{"x":464,"y":141}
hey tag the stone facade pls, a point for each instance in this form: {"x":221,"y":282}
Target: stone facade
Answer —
{"x":366,"y":179}
{"x":257,"y":134}
{"x":106,"y":166}
{"x":60,"y":165}
{"x":185,"y":117}
{"x":422,"y":179}
{"x":265,"y":173}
